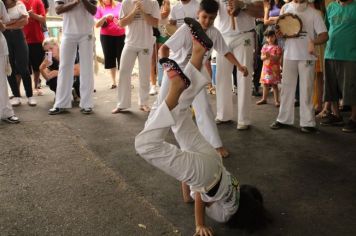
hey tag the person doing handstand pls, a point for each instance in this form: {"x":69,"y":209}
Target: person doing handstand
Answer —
{"x":216,"y":191}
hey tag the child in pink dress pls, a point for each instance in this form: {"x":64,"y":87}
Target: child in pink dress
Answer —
{"x":271,"y":55}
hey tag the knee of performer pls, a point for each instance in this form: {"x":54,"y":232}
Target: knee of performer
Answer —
{"x":143,"y":145}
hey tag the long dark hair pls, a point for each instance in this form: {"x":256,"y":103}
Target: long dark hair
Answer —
{"x":251,"y":214}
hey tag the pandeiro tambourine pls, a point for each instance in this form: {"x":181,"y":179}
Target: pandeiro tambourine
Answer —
{"x":289,"y":25}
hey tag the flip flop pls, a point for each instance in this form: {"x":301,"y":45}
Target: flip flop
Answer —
{"x":170,"y":65}
{"x":198,"y":33}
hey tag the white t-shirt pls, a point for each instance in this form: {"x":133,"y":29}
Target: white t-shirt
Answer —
{"x":180,"y":44}
{"x":78,"y":20}
{"x":4,"y":18}
{"x":17,"y":11}
{"x":139,"y":33}
{"x":313,"y":24}
{"x":225,"y":203}
{"x":243,"y":21}
{"x":180,"y":11}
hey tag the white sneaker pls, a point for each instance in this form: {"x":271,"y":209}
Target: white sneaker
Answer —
{"x":15,"y":101}
{"x":32,"y":101}
{"x":153,"y":90}
{"x":12,"y":119}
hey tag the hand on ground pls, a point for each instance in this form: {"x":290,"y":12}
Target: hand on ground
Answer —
{"x":203,"y":231}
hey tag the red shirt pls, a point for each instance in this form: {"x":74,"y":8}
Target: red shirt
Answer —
{"x":33,"y":30}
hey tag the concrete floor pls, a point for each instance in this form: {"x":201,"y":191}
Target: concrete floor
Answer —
{"x":74,"y":174}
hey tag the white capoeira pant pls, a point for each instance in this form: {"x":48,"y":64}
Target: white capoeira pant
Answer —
{"x":204,"y":115}
{"x":291,"y":70}
{"x":201,"y":166}
{"x":242,"y":47}
{"x":5,"y":106}
{"x":128,"y":57}
{"x":68,"y":52}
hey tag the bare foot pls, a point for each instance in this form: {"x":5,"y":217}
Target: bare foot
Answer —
{"x":116,"y":110}
{"x":222,"y":151}
{"x":174,"y":72}
{"x":39,"y":92}
{"x":197,"y":47}
{"x":145,"y":108}
{"x":261,"y":102}
{"x":322,"y":114}
{"x":177,"y":84}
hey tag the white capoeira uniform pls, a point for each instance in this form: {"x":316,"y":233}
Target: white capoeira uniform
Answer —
{"x":298,"y":61}
{"x":180,"y":44}
{"x":241,"y":42}
{"x":201,"y":166}
{"x":138,"y":44}
{"x":78,"y":26}
{"x":5,"y":106}
{"x":197,"y":164}
{"x":179,"y":11}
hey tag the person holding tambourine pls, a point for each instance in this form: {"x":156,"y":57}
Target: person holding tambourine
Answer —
{"x":299,"y":60}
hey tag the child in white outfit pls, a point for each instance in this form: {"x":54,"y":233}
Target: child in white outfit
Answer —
{"x":216,"y":191}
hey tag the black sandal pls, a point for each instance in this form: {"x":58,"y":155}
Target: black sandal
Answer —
{"x":198,"y":33}
{"x":169,"y":64}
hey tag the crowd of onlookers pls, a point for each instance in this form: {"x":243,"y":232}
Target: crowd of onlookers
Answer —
{"x":314,"y":70}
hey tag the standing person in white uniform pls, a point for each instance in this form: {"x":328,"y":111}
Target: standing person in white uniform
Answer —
{"x":299,"y":59}
{"x":137,"y":17}
{"x":182,"y":9}
{"x":241,"y":42}
{"x":6,"y":111}
{"x":78,"y":23}
{"x":216,"y":192}
{"x":180,"y":45}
